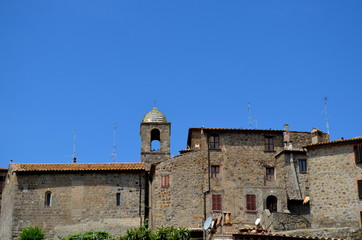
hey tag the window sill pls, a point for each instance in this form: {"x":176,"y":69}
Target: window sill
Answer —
{"x":269,"y":151}
{"x":215,"y":149}
{"x":251,"y":211}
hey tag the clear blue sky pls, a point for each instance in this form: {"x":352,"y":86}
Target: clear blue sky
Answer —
{"x":86,"y":65}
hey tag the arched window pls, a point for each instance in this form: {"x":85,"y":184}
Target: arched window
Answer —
{"x":48,"y":198}
{"x":155,"y":140}
{"x":272,"y":203}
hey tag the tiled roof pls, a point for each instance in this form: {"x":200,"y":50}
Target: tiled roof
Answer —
{"x":22,"y":167}
{"x":283,"y":236}
{"x":340,"y":141}
{"x":236,"y":129}
{"x":3,"y":169}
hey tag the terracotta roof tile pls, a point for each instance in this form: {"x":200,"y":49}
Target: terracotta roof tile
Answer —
{"x":236,"y":129}
{"x":22,"y":167}
{"x":340,"y":141}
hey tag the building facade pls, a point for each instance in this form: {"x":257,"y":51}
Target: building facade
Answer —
{"x":335,"y":178}
{"x":289,"y":179}
{"x":65,"y":199}
{"x":239,"y":172}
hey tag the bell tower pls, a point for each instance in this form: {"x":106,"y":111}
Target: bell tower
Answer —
{"x":155,"y":137}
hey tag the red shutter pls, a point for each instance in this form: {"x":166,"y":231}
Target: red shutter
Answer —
{"x":251,"y":202}
{"x":165,"y":181}
{"x":216,"y":202}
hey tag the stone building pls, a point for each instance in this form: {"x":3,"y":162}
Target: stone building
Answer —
{"x":3,"y":172}
{"x":65,"y":199}
{"x":234,"y":174}
{"x":240,"y":172}
{"x":335,"y":178}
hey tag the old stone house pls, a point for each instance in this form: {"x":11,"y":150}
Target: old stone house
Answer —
{"x":65,"y":199}
{"x":240,"y":174}
{"x":3,"y":172}
{"x":335,"y":179}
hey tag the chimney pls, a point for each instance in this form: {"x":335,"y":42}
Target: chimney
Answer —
{"x":286,"y":137}
{"x":316,"y":136}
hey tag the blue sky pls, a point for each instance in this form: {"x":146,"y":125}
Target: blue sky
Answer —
{"x":87,"y":65}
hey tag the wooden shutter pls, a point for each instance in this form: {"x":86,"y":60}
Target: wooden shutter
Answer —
{"x":251,"y":202}
{"x":165,"y":181}
{"x":216,"y":202}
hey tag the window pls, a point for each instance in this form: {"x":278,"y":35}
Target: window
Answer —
{"x":269,"y":144}
{"x":165,"y":181}
{"x":214,"y":142}
{"x":250,"y":202}
{"x":48,"y":198}
{"x":215,"y":172}
{"x":270,"y":173}
{"x":358,"y":153}
{"x":216,"y":202}
{"x":359,"y":183}
{"x":302,"y":165}
{"x":118,"y":199}
{"x":307,"y":191}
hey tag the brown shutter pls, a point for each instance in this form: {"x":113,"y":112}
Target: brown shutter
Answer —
{"x":216,"y":202}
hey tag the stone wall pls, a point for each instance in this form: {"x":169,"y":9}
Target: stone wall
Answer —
{"x":80,"y":201}
{"x":242,"y":159}
{"x":3,"y":173}
{"x":333,"y":176}
{"x":277,"y":222}
{"x":181,"y":203}
{"x":148,"y":155}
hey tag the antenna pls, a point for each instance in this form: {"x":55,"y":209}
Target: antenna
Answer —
{"x":74,"y":155}
{"x":251,"y":121}
{"x":114,"y":154}
{"x":155,"y":103}
{"x":326,"y":114}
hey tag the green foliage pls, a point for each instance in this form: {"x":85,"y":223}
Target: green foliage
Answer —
{"x":92,"y":235}
{"x":141,"y":233}
{"x":31,"y":233}
{"x":163,"y":233}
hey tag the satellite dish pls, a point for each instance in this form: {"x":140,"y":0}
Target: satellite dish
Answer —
{"x":257,"y":221}
{"x":207,"y":223}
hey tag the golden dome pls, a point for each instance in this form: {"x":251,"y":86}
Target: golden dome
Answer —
{"x":154,"y":116}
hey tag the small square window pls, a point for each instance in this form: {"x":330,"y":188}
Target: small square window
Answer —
{"x":216,"y":202}
{"x":165,"y":181}
{"x":215,"y":172}
{"x":270,"y":174}
{"x":214,"y":142}
{"x":269,"y":143}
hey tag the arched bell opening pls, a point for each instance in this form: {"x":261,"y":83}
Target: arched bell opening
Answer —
{"x":155,"y":140}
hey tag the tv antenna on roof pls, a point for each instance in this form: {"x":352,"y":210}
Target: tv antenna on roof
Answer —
{"x":74,"y":155}
{"x":326,"y":114}
{"x":251,"y":121}
{"x":114,"y":154}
